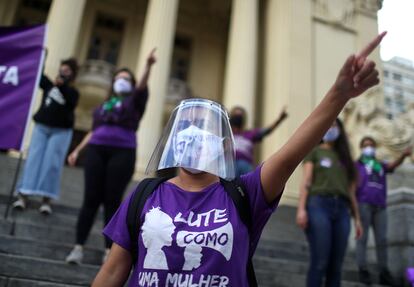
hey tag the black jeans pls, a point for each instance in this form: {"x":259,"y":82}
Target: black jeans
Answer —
{"x":107,"y":173}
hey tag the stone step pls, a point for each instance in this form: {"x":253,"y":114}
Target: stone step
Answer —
{"x":30,"y":268}
{"x":58,"y":235}
{"x":71,"y":188}
{"x":277,"y":278}
{"x":48,"y":233}
{"x":66,"y":218}
{"x":292,"y":250}
{"x":268,"y":266}
{"x":17,"y":282}
{"x":46,"y":250}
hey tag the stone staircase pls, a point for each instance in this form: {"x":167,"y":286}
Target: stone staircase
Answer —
{"x":33,"y":246}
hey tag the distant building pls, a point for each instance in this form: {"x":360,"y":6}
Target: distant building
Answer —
{"x":398,"y":85}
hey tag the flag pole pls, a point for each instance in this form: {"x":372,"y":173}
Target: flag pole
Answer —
{"x":13,"y":188}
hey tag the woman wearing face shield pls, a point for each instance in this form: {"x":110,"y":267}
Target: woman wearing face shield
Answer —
{"x":326,"y":199}
{"x":371,"y":194}
{"x":51,"y":138}
{"x":110,"y":155}
{"x":189,"y":222}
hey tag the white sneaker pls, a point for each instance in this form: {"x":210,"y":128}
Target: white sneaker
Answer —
{"x":19,"y":204}
{"x":45,"y":209}
{"x":106,"y":255}
{"x":75,"y":256}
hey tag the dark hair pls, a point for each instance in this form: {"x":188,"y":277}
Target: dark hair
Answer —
{"x":367,"y":138}
{"x":126,"y":70}
{"x":240,"y":108}
{"x":243,"y":111}
{"x":73,"y":65}
{"x":341,"y":147}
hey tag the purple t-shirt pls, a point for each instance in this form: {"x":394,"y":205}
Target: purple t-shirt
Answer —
{"x":372,"y":186}
{"x":193,"y":238}
{"x":244,"y":142}
{"x":112,"y":135}
{"x":117,"y":127}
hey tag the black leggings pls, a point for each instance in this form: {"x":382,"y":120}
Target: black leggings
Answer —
{"x":108,"y":171}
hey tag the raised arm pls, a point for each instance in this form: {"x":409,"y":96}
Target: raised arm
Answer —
{"x":393,"y":165}
{"x":356,"y":76}
{"x":282,"y":116}
{"x":143,"y":81}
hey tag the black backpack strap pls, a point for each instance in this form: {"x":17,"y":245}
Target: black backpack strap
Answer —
{"x":236,"y":191}
{"x":140,"y":195}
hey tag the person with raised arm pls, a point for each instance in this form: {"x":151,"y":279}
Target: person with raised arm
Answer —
{"x":110,"y":154}
{"x":371,"y":193}
{"x":245,"y":140}
{"x":194,"y":222}
{"x":51,"y":137}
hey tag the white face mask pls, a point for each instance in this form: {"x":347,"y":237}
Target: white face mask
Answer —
{"x":122,"y":86}
{"x":197,"y":149}
{"x":369,"y":151}
{"x":331,"y":135}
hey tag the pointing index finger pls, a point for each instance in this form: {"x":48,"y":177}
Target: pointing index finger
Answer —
{"x":153,"y":51}
{"x":367,"y":50}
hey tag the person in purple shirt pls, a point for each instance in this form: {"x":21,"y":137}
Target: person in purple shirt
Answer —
{"x":245,"y":139}
{"x":110,"y":155}
{"x":191,"y":234}
{"x":371,"y":195}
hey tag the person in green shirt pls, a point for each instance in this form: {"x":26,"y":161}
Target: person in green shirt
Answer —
{"x":326,"y":199}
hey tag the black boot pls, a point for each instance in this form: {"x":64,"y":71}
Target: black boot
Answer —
{"x":364,"y":276}
{"x":385,"y":278}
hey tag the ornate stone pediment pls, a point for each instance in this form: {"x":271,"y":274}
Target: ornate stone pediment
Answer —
{"x":369,"y":7}
{"x":338,"y":12}
{"x":365,"y":116}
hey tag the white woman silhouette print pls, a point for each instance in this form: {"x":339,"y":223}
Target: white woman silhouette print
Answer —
{"x":157,"y":232}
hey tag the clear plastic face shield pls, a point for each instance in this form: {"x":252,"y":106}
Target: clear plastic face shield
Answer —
{"x":197,"y":137}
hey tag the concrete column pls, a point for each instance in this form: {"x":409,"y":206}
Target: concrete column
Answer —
{"x":8,"y":11}
{"x":63,"y":25}
{"x":287,"y":76}
{"x":64,"y":21}
{"x":159,"y":32}
{"x":240,"y":77}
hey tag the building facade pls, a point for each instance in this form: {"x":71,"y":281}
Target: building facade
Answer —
{"x":398,"y":86}
{"x":260,"y":54}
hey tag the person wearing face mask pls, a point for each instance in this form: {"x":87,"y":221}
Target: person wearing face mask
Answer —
{"x":327,"y":195}
{"x":51,"y":137}
{"x":188,"y":230}
{"x":245,"y":139}
{"x":371,"y":194}
{"x":110,"y":154}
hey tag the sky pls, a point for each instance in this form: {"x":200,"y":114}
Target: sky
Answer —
{"x":397,"y":17}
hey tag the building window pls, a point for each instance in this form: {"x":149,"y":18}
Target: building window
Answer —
{"x":181,"y":60}
{"x":31,"y":12}
{"x":396,"y":76}
{"x":106,"y":39}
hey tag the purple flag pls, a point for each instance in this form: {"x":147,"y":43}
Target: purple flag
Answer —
{"x":21,"y":60}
